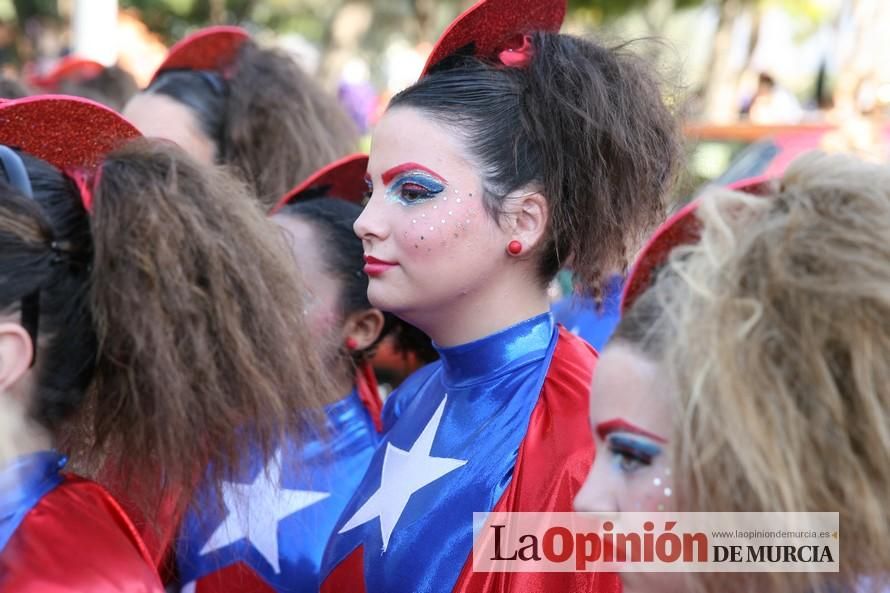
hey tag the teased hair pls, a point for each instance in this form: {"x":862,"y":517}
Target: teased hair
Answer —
{"x":170,"y":321}
{"x":780,"y":355}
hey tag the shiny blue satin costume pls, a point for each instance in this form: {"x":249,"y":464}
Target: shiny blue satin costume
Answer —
{"x":22,"y":484}
{"x":330,"y":464}
{"x":460,"y":420}
{"x":581,"y":316}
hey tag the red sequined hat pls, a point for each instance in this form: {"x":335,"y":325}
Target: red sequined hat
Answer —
{"x":66,"y":132}
{"x":344,"y":179}
{"x":682,"y":228}
{"x":489,"y":26}
{"x":214,"y":48}
{"x":68,"y":68}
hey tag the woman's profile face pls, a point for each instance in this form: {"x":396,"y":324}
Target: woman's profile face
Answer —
{"x":631,"y":415}
{"x":428,"y":239}
{"x":160,"y":116}
{"x":323,"y":290}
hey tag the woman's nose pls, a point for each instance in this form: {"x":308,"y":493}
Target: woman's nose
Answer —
{"x":599,"y":492}
{"x":372,"y":223}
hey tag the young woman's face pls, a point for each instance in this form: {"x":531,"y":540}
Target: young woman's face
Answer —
{"x":429,"y":243}
{"x":323,"y":289}
{"x":631,"y":417}
{"x":160,"y":116}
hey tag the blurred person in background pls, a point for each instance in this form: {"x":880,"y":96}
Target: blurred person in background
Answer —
{"x":111,"y":86}
{"x":11,"y":88}
{"x":592,"y":320}
{"x":773,"y":103}
{"x":227,"y":101}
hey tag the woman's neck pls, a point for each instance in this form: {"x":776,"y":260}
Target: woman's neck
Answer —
{"x":471,"y":317}
{"x":19,"y":435}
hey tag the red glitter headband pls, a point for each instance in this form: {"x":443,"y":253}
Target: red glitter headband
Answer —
{"x":70,"y":133}
{"x":68,"y":68}
{"x":489,"y":27}
{"x":683,"y":228}
{"x":344,"y":179}
{"x":214,"y":48}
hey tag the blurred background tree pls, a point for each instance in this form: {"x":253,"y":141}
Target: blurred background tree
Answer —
{"x":713,"y":45}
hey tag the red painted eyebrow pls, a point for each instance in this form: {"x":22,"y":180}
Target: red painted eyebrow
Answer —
{"x":404,"y":167}
{"x":604,"y":429}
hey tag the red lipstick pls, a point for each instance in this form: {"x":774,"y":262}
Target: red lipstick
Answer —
{"x":375,"y":267}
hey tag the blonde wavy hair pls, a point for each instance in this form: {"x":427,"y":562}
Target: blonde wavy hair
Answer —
{"x":779,"y":351}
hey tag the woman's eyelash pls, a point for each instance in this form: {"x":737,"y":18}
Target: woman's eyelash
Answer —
{"x":414,"y":188}
{"x":632,"y":452}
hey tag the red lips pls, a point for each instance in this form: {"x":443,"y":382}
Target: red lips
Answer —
{"x":375,"y":267}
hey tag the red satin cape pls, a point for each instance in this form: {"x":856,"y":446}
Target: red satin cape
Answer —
{"x":77,"y":539}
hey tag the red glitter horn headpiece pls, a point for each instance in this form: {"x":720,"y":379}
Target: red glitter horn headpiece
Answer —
{"x":70,"y":133}
{"x":344,"y":179}
{"x":682,"y":228}
{"x":72,"y":68}
{"x":489,"y":27}
{"x":214,"y":48}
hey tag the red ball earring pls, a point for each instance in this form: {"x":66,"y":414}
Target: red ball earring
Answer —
{"x":351,"y":343}
{"x":514,"y":247}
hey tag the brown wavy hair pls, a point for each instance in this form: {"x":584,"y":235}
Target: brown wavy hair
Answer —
{"x":171,"y":328}
{"x":779,"y":351}
{"x":271,"y":123}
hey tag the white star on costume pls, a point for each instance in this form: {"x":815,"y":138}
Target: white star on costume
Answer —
{"x":255,"y":509}
{"x":404,"y":473}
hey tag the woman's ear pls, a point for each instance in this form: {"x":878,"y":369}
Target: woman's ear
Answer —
{"x":527,"y":215}
{"x":363,"y":327}
{"x":16,"y":354}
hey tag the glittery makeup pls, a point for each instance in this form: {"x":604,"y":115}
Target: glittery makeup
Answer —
{"x":413,"y":188}
{"x":630,"y":452}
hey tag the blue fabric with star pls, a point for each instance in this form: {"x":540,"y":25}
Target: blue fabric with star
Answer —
{"x":280,"y":533}
{"x":22,"y":484}
{"x":454,"y":436}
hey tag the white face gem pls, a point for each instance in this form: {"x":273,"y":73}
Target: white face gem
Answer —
{"x":667,"y":491}
{"x":657,"y":481}
{"x":443,"y":221}
{"x":435,"y":207}
{"x":458,"y":200}
{"x":450,"y":213}
{"x":414,"y":221}
{"x":432,"y":228}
